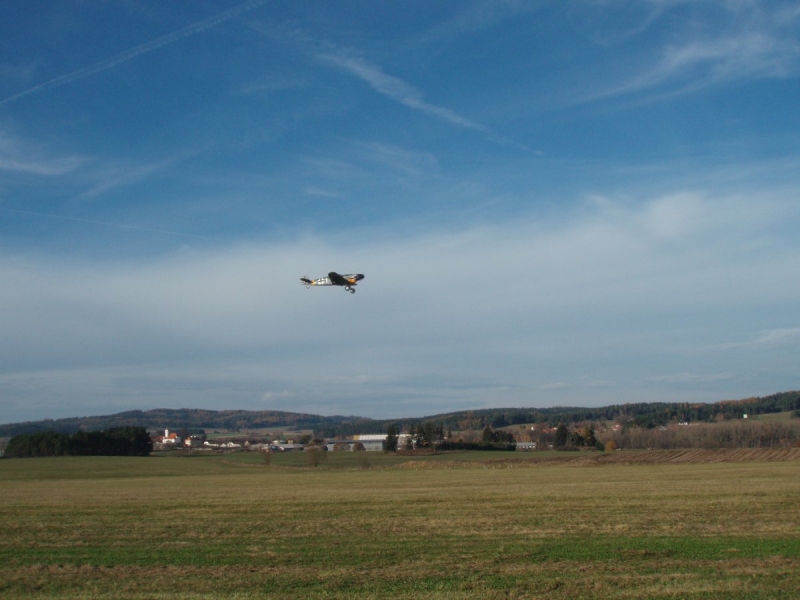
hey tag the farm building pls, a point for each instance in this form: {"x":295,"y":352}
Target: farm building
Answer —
{"x":526,"y":446}
{"x":372,"y":442}
{"x":278,"y":446}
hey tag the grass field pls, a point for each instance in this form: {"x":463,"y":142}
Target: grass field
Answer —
{"x":231,"y":526}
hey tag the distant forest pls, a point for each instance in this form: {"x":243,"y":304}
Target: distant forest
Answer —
{"x":119,"y":441}
{"x":190,"y":419}
{"x":643,"y":414}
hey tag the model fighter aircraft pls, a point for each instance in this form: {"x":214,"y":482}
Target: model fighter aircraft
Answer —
{"x":333,"y":278}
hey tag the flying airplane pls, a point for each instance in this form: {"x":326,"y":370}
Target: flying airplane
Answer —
{"x":333,"y":278}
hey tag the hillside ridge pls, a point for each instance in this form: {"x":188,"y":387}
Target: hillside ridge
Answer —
{"x":642,"y":414}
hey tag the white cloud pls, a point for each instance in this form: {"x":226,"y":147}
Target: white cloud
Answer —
{"x":492,"y":315}
{"x":674,"y":217}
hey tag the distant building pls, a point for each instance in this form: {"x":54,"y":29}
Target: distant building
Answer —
{"x":372,"y":442}
{"x":279,"y":446}
{"x":170,"y":438}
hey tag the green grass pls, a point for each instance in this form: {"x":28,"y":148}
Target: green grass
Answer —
{"x":230,"y":526}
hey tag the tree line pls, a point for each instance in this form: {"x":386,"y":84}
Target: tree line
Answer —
{"x":184,"y":418}
{"x":729,"y":434}
{"x":643,"y":414}
{"x":118,"y":441}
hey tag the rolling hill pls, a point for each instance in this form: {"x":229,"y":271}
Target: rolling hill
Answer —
{"x":643,"y":414}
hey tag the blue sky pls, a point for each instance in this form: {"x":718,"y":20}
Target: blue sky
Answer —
{"x":554,"y":203}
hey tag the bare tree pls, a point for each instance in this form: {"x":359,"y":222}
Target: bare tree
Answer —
{"x":315,"y":456}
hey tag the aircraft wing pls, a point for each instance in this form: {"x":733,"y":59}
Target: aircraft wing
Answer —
{"x":337,"y":279}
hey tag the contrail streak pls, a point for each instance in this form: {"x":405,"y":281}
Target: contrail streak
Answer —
{"x":406,"y":94}
{"x":122,"y":57}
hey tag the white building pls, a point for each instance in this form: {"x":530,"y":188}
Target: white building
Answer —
{"x":373,"y":442}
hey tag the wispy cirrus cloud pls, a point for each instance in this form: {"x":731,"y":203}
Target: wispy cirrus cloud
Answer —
{"x":691,"y":378}
{"x":109,"y":175}
{"x":103,"y":223}
{"x":21,"y":157}
{"x":768,"y":337}
{"x":96,"y":177}
{"x":399,"y":159}
{"x":123,"y":57}
{"x":320,"y":192}
{"x":703,"y":63}
{"x":406,"y":94}
{"x":397,"y":89}
{"x":582,"y":383}
{"x":473,"y":17}
{"x":558,"y":385}
{"x":743,"y":41}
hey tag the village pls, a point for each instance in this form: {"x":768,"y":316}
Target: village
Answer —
{"x":174,"y":441}
{"x":371,"y":442}
{"x":583,"y":436}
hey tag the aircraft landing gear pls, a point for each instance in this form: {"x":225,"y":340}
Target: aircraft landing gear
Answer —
{"x":347,"y":288}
